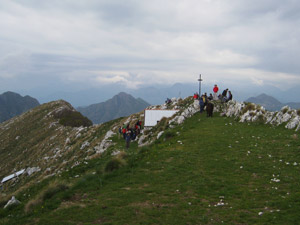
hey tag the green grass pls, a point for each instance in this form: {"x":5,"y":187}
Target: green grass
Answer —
{"x":206,"y":171}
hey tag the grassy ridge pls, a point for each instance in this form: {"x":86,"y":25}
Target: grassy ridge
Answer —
{"x":206,"y":171}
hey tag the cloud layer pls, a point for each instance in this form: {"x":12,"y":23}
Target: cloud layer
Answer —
{"x":134,"y":42}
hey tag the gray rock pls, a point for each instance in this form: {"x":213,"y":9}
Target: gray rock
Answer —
{"x":11,"y":202}
{"x":85,"y":144}
{"x":159,"y":134}
{"x":32,"y":170}
{"x":105,"y":143}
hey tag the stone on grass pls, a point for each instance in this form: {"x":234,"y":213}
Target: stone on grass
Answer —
{"x":32,"y":170}
{"x":12,"y":202}
{"x":159,"y":134}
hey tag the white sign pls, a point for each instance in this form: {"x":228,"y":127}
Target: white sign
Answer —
{"x":152,"y":116}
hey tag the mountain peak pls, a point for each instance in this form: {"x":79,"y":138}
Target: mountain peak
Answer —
{"x":123,"y":94}
{"x":263,"y":95}
{"x":13,"y":104}
{"x":269,"y":102}
{"x":120,"y":105}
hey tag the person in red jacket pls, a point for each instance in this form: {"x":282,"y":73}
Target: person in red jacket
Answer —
{"x":215,"y":90}
{"x":196,"y":96}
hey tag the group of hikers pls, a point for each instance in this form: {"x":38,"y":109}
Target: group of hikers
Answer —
{"x":223,"y":97}
{"x":204,"y":99}
{"x":130,"y":133}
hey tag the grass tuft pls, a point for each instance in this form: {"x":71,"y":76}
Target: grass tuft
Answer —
{"x":261,"y":118}
{"x":169,"y":134}
{"x":252,"y":114}
{"x":114,"y":164}
{"x":248,"y":107}
{"x":53,"y":190}
{"x":285,"y":110}
{"x":144,"y":150}
{"x":32,"y":204}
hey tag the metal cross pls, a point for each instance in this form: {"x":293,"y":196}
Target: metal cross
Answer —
{"x":200,"y":85}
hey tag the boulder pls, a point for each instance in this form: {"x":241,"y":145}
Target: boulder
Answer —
{"x":32,"y":170}
{"x":293,"y":123}
{"x":85,"y":144}
{"x":105,"y":143}
{"x":159,"y":134}
{"x":12,"y":202}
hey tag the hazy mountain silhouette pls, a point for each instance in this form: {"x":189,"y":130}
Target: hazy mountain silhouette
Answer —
{"x":13,"y":104}
{"x":120,"y":105}
{"x":271,"y":103}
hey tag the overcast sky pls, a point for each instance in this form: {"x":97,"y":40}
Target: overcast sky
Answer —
{"x":92,"y":42}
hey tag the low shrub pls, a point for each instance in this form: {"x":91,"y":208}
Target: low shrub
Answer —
{"x":114,"y":164}
{"x":144,"y":150}
{"x":73,"y":119}
{"x":252,"y":114}
{"x":3,"y":203}
{"x":248,"y":107}
{"x":122,"y":155}
{"x":169,"y":134}
{"x":162,"y":124}
{"x":146,"y":132}
{"x":87,"y":183}
{"x":285,"y":110}
{"x":32,"y":204}
{"x":298,"y":112}
{"x":53,"y":190}
{"x":261,"y":119}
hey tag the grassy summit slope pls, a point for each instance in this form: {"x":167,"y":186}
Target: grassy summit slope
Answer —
{"x":205,"y":171}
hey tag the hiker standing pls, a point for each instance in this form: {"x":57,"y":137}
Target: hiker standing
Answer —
{"x":124,"y":129}
{"x":215,"y":90}
{"x":127,"y":139}
{"x":205,"y":99}
{"x":196,"y":100}
{"x":201,"y":103}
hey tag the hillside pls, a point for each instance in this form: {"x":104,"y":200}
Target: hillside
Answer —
{"x":271,"y":103}
{"x":13,"y":104}
{"x":119,"y":106}
{"x":188,"y":169}
{"x":37,"y":139}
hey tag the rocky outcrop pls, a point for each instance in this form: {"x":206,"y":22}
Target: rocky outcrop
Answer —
{"x":105,"y":143}
{"x":253,"y":113}
{"x":244,"y":112}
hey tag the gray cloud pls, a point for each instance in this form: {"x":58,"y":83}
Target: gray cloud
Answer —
{"x":144,"y":42}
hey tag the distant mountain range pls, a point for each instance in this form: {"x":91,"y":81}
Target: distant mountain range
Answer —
{"x":120,"y":105}
{"x":13,"y":104}
{"x":272,"y":104}
{"x":155,"y":93}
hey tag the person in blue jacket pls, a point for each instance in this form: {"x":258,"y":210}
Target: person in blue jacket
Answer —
{"x":128,"y":139}
{"x":201,"y":103}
